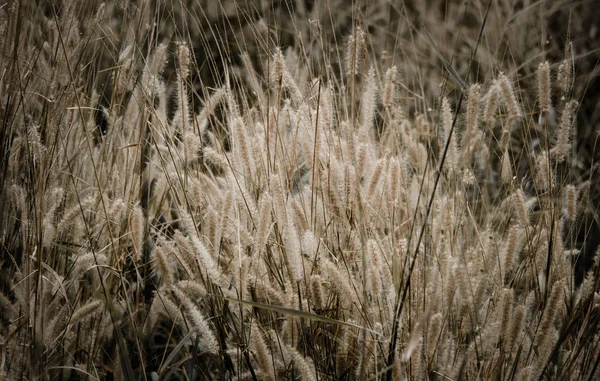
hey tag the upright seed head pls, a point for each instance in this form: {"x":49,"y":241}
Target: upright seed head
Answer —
{"x":388,"y":96}
{"x":354,"y":52}
{"x":472,"y":115}
{"x":513,"y":243}
{"x":393,"y":181}
{"x":515,"y":328}
{"x":242,"y":146}
{"x":544,"y":177}
{"x":510,"y":98}
{"x":546,"y":332}
{"x":491,"y":103}
{"x":543,"y":77}
{"x":375,"y":178}
{"x":349,"y":186}
{"x":183,"y":55}
{"x":159,"y":59}
{"x":570,"y":202}
{"x":563,"y":77}
{"x":506,"y":171}
{"x":264,"y":223}
{"x":293,"y":250}
{"x":277,"y":68}
{"x":520,"y":207}
{"x":162,"y":266}
{"x":565,"y":131}
{"x":423,"y":126}
{"x":368,"y":104}
{"x":507,"y":306}
{"x":137,"y":231}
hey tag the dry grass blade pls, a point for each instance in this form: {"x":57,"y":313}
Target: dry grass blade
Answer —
{"x":174,"y":352}
{"x":299,"y":314}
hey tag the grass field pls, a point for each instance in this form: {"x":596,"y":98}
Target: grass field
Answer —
{"x":299,"y":190}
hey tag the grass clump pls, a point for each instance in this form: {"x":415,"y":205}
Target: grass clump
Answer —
{"x":200,"y":192}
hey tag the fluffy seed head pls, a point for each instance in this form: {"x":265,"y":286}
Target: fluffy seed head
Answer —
{"x":543,"y":77}
{"x":544,"y":176}
{"x":510,"y":98}
{"x":563,"y":77}
{"x":472,"y":114}
{"x":355,"y":51}
{"x":570,"y":202}
{"x":565,"y":131}
{"x":183,"y":55}
{"x":506,"y":171}
{"x":369,"y":99}
{"x":491,"y":103}
{"x":388,"y":95}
